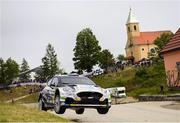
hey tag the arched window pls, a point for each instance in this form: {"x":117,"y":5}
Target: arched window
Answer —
{"x":135,"y":28}
{"x":153,"y":50}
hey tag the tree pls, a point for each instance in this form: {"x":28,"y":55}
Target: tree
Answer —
{"x":86,"y":51}
{"x":39,"y":75}
{"x":163,"y":40}
{"x":24,"y":68}
{"x":120,"y":57}
{"x":50,"y":65}
{"x":2,"y":71}
{"x":11,"y":70}
{"x":160,"y":42}
{"x":106,"y":59}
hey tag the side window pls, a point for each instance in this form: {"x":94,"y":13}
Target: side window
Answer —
{"x":55,"y":81}
{"x":135,"y":28}
{"x":49,"y":82}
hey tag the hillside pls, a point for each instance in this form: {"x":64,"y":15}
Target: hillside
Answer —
{"x":144,"y":80}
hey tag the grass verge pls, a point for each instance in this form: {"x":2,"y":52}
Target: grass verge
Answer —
{"x":19,"y":113}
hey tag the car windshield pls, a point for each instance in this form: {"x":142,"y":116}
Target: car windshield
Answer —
{"x":77,"y":80}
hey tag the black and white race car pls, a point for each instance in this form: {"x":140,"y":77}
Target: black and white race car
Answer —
{"x":75,"y":92}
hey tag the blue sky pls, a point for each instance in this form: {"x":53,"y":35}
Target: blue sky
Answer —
{"x":27,"y":26}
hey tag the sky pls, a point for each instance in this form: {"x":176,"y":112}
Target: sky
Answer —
{"x":27,"y":26}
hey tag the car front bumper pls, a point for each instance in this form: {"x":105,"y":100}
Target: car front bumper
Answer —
{"x":70,"y":102}
{"x":85,"y":105}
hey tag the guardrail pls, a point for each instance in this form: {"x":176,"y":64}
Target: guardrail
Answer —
{"x":20,"y":84}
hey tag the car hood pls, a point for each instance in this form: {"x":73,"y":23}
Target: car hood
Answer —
{"x":87,"y":88}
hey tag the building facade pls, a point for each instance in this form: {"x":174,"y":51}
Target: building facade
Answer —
{"x":139,"y":44}
{"x":171,"y":54}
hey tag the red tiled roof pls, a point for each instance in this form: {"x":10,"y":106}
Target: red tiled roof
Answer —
{"x":173,"y":44}
{"x":148,"y":37}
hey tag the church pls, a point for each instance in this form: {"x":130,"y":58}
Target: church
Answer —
{"x":139,"y":44}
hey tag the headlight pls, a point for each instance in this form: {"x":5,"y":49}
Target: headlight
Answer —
{"x":77,"y":98}
{"x":69,"y":90}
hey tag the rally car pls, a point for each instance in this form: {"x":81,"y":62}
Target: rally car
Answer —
{"x":75,"y":92}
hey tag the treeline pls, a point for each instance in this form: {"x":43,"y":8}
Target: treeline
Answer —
{"x":10,"y":70}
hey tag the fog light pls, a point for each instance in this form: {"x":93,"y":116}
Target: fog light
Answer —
{"x":101,"y":99}
{"x":77,"y":98}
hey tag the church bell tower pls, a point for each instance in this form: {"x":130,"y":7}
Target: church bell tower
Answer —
{"x":132,"y":26}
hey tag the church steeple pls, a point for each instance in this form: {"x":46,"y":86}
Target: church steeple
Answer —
{"x":132,"y":25}
{"x":131,"y":18}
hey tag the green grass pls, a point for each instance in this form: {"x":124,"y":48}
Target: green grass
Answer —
{"x":120,"y":78}
{"x":32,"y":98}
{"x":19,"y":113}
{"x":8,"y":94}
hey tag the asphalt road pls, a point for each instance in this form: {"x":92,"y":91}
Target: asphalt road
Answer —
{"x":136,"y":112}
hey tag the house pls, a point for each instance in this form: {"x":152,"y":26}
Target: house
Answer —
{"x":171,"y":54}
{"x":139,"y":44}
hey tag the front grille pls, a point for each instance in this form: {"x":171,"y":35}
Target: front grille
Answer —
{"x":89,"y":97}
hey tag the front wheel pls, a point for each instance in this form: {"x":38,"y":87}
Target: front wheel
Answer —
{"x":57,"y":108}
{"x":80,"y":111}
{"x":102,"y":110}
{"x":41,"y":105}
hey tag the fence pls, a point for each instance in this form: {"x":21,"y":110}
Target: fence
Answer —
{"x":173,"y":78}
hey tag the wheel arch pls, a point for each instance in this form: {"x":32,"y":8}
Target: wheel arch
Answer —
{"x":40,"y":96}
{"x":57,"y":92}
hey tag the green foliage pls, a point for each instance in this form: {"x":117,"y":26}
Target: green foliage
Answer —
{"x":86,"y":51}
{"x":12,"y":69}
{"x":148,"y":80}
{"x":39,"y":75}
{"x":163,"y":40}
{"x":2,"y":71}
{"x":50,"y":65}
{"x":120,"y":78}
{"x":106,"y":59}
{"x":24,"y":67}
{"x":120,"y":57}
{"x":8,"y":70}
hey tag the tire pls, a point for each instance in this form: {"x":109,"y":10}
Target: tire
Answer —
{"x":41,"y":105}
{"x":80,"y":111}
{"x":102,"y":110}
{"x":57,"y":106}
